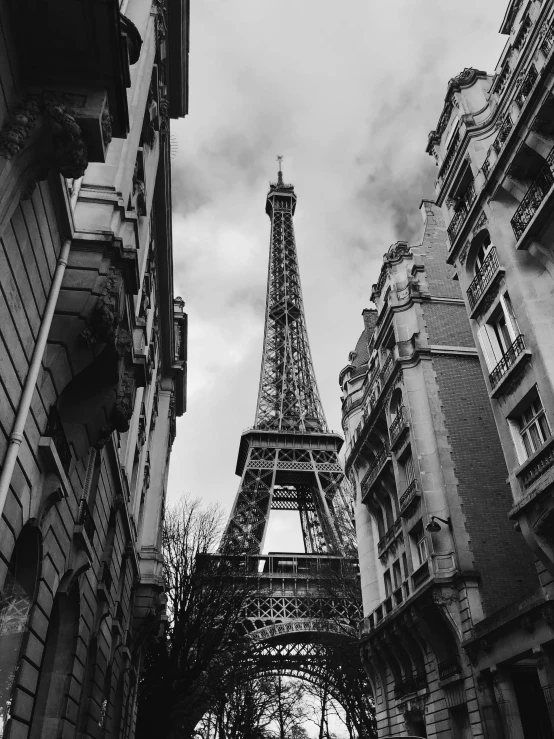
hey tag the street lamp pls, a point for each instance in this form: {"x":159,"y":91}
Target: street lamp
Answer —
{"x":434,"y":526}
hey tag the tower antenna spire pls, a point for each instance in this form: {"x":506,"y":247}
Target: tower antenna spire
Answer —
{"x":280,"y":158}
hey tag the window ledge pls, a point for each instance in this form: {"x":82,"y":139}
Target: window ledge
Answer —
{"x":543,"y":476}
{"x":511,"y":378}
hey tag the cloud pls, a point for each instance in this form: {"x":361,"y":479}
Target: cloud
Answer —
{"x":348,"y":94}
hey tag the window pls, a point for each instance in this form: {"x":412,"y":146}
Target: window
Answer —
{"x":422,"y":552}
{"x":397,"y":574}
{"x":483,"y":253}
{"x":388,"y":584}
{"x":499,"y":333}
{"x":533,"y":426}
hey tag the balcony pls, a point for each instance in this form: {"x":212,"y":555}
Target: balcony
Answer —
{"x":534,"y":197}
{"x":421,"y":575}
{"x":526,"y":86}
{"x":449,"y":667}
{"x":409,"y":685}
{"x":462,"y":209}
{"x":537,"y":465}
{"x":508,"y":361}
{"x":409,"y":496}
{"x":503,"y":133}
{"x":483,"y":280}
{"x":386,"y":540}
{"x":374,"y":471}
{"x":398,"y":426}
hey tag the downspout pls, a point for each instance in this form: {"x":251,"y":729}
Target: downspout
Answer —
{"x":16,"y":436}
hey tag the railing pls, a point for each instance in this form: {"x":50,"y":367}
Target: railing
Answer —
{"x":487,"y":165}
{"x":397,"y":426}
{"x":373,"y":473}
{"x":421,"y":575}
{"x":507,"y":361}
{"x":534,"y":197}
{"x":452,"y":150}
{"x":526,"y":86}
{"x":449,"y":667}
{"x":409,"y":685}
{"x":385,"y":540}
{"x":462,"y":210}
{"x":387,"y":368}
{"x":408,"y":496}
{"x":483,"y":278}
{"x":54,"y":429}
{"x":85,"y":519}
{"x":503,"y":133}
{"x":538,"y":466}
{"x":547,"y":42}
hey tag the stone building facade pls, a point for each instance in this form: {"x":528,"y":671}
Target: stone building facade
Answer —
{"x":438,"y":555}
{"x":494,"y":147}
{"x":92,"y":353}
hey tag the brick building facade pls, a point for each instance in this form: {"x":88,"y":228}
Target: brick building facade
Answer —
{"x":494,"y":148}
{"x":438,"y":555}
{"x":92,"y":353}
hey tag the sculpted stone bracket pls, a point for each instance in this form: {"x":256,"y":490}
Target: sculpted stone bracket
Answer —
{"x":64,"y":150}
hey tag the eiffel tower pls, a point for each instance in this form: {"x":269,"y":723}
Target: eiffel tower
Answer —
{"x":289,"y":459}
{"x":302,"y":609}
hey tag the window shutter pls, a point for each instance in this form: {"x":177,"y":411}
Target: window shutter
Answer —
{"x":486,"y":347}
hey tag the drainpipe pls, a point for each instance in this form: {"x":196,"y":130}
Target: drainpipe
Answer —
{"x":16,"y":436}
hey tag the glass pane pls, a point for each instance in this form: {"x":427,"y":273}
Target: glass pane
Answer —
{"x":536,"y":440}
{"x":526,"y":444}
{"x":543,"y":423}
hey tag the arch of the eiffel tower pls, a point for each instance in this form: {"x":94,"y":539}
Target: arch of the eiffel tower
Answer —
{"x":300,"y":614}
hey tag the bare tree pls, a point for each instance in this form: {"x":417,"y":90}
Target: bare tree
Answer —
{"x":185,"y":670}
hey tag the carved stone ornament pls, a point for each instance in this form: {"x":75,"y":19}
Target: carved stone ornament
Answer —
{"x":463,"y":252}
{"x":481,"y":221}
{"x":106,"y":125}
{"x":123,"y":408}
{"x":445,"y":596}
{"x":18,"y":128}
{"x":68,"y":153}
{"x":103,"y":321}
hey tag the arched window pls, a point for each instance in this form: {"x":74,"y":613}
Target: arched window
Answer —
{"x":57,"y":664}
{"x":482,"y":253}
{"x":395,"y":404}
{"x":16,"y":600}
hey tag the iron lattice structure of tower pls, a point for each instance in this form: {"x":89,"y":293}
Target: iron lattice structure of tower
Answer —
{"x":289,"y":459}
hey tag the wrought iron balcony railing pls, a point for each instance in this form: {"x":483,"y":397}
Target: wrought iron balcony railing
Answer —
{"x":533,"y":197}
{"x":483,"y":278}
{"x":449,"y":667}
{"x":507,"y":361}
{"x":462,"y":210}
{"x":526,"y":86}
{"x":503,"y":133}
{"x":397,"y":426}
{"x":547,"y":42}
{"x":409,"y":495}
{"x":421,"y":575}
{"x":373,"y":472}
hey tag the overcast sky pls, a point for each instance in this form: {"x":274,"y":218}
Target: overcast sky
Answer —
{"x":347,"y":92}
